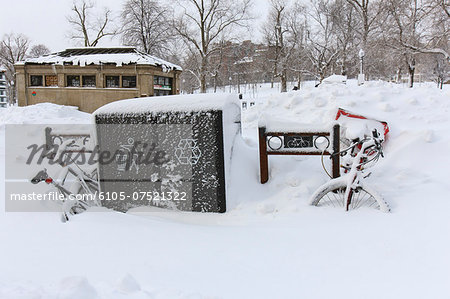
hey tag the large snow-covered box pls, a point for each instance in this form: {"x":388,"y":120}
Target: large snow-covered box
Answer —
{"x":171,"y":152}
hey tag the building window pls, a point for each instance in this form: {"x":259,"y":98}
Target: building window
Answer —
{"x":35,"y":80}
{"x":51,"y":80}
{"x":73,"y":81}
{"x":112,"y":81}
{"x":162,"y":86}
{"x":129,"y":81}
{"x":89,"y":81}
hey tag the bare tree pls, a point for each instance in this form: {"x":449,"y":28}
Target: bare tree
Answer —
{"x":434,"y":37}
{"x":13,"y":48}
{"x":205,"y":22}
{"x":145,"y":26}
{"x":368,"y":11}
{"x":321,"y":39}
{"x":38,"y":50}
{"x":344,"y":21}
{"x":445,"y":5}
{"x":190,"y":77}
{"x":440,"y":70}
{"x":217,"y":65}
{"x":88,"y":28}
{"x":406,"y":28}
{"x":283,"y":32}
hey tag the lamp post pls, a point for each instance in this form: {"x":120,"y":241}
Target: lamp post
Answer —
{"x":361,"y":55}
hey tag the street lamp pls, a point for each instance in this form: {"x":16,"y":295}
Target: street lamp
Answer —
{"x":361,"y":55}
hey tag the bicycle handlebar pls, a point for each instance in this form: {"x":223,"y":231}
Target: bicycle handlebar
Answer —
{"x":39,"y":177}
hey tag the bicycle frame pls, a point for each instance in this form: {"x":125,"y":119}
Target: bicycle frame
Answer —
{"x":354,"y":175}
{"x":88,"y":184}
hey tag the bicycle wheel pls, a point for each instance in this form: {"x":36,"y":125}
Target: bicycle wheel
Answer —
{"x":333,"y":194}
{"x":81,"y":198}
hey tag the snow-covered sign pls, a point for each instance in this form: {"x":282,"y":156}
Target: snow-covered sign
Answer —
{"x":173,"y":152}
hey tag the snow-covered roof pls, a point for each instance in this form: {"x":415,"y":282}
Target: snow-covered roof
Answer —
{"x":96,"y":56}
{"x":175,"y":103}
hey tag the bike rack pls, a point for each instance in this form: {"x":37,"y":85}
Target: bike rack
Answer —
{"x":297,"y":143}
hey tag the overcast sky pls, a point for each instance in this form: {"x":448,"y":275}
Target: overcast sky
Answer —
{"x":44,"y":21}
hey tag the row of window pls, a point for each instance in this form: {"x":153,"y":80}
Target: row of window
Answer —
{"x":162,"y":86}
{"x":84,"y":81}
{"x":162,"y":81}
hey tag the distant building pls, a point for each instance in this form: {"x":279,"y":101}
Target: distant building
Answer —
{"x":242,"y":62}
{"x":3,"y":96}
{"x":92,"y":77}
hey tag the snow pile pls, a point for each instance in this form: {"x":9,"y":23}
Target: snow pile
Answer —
{"x":271,"y":241}
{"x":45,"y":113}
{"x":335,"y":79}
{"x":418,"y":120}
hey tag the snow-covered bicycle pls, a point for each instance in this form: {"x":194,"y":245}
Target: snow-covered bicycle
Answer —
{"x":77,"y":188}
{"x":77,"y":194}
{"x":350,"y":191}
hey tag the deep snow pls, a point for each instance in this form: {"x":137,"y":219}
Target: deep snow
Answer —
{"x":270,"y":243}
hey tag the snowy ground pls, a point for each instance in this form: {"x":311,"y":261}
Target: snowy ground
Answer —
{"x":270,"y":243}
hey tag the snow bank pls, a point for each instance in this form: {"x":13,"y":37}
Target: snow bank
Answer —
{"x":335,"y":79}
{"x":45,"y":113}
{"x":268,"y":228}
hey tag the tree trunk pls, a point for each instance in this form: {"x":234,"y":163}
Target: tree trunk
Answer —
{"x":411,"y":76}
{"x":239,"y":83}
{"x":203,"y":75}
{"x":322,"y":76}
{"x":399,"y":75}
{"x":283,"y":78}
{"x":203,"y":83}
{"x":299,"y":80}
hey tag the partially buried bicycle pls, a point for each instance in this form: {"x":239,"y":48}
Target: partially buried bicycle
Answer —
{"x":350,"y":191}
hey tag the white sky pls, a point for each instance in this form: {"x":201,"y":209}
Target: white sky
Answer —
{"x":44,"y":21}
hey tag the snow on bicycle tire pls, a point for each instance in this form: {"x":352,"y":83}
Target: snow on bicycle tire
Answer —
{"x":332,"y":194}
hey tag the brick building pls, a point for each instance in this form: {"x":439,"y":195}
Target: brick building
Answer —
{"x":92,"y":77}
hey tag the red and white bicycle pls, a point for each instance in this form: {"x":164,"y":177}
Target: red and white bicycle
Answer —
{"x":350,"y":191}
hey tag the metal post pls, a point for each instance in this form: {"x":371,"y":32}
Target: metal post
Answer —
{"x":361,"y":77}
{"x":336,"y":149}
{"x":361,"y":71}
{"x":263,"y":159}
